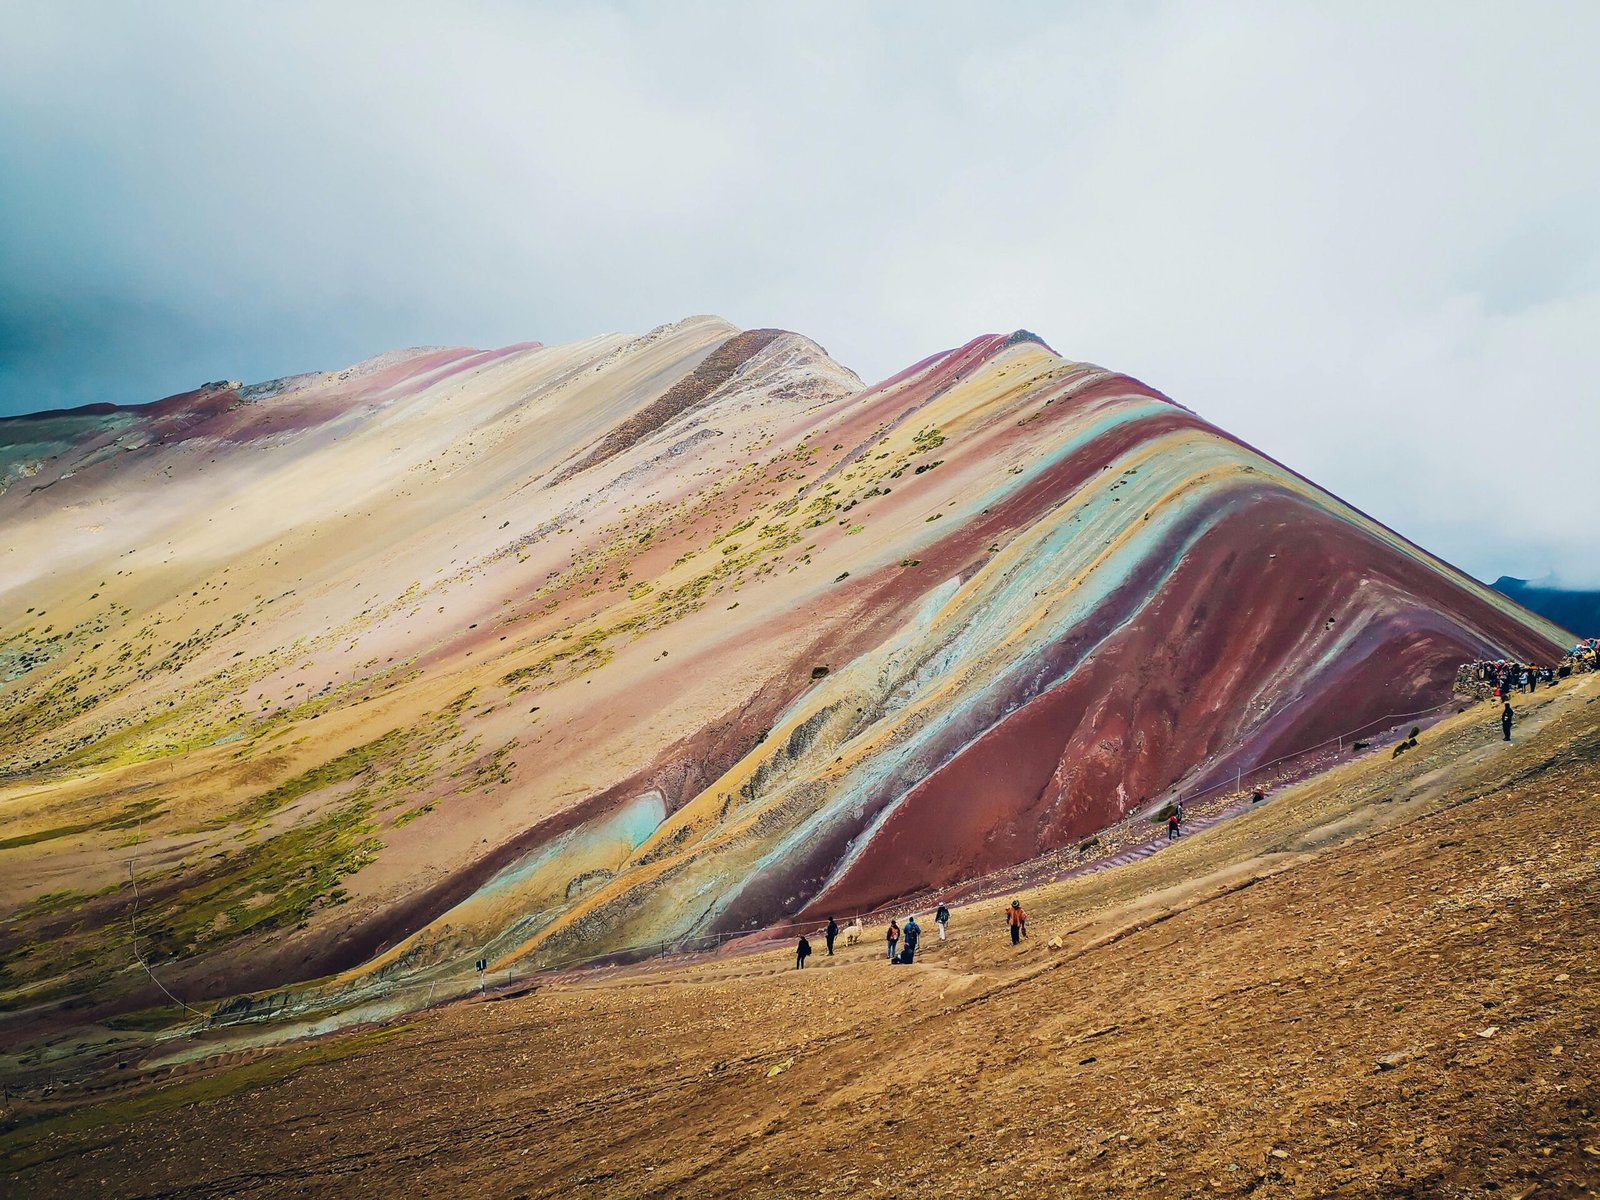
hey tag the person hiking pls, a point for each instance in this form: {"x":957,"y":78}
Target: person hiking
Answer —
{"x":1018,"y":921}
{"x":913,"y":934}
{"x":893,"y":937}
{"x":832,"y":932}
{"x":1172,"y":827}
{"x":1257,"y":796}
{"x":801,"y":952}
{"x":1505,"y":721}
{"x":941,"y":918}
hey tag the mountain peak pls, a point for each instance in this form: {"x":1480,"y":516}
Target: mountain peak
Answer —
{"x":651,"y":636}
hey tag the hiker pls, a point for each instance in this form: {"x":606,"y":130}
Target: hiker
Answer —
{"x":913,"y":932}
{"x":1172,"y":827}
{"x":894,"y":936}
{"x":833,"y":932}
{"x":1257,"y":796}
{"x":1177,"y":811}
{"x":1505,"y":721}
{"x":1018,"y":921}
{"x":801,"y":952}
{"x":941,"y":918}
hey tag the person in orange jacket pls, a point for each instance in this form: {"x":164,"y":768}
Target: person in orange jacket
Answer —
{"x":1018,"y":920}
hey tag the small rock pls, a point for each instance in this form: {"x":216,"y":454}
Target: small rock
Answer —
{"x":1278,"y":1153}
{"x":1488,"y":1031}
{"x":1563,"y":977}
{"x":1391,"y":1060}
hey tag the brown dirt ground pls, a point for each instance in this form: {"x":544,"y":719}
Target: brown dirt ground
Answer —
{"x":1213,"y":1025}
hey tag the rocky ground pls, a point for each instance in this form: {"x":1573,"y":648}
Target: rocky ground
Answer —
{"x":1380,"y":983}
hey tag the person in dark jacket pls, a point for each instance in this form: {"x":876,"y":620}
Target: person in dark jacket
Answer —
{"x":801,"y":952}
{"x":941,"y":919}
{"x":833,"y":932}
{"x":912,"y":933}
{"x":1505,"y":720}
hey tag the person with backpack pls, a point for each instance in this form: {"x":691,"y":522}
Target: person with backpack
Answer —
{"x":1172,"y":827}
{"x":941,"y":918}
{"x":893,"y":936}
{"x":830,"y":933}
{"x":801,"y":952}
{"x":1505,"y":721}
{"x":1018,"y":921}
{"x":913,"y":933}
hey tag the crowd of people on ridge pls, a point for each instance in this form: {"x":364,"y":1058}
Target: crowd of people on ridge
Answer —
{"x":1495,"y":679}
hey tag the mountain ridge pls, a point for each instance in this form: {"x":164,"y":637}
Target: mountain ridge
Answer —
{"x":403,"y":669}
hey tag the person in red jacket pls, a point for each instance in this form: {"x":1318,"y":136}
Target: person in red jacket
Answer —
{"x":893,"y":937}
{"x":1018,"y":921}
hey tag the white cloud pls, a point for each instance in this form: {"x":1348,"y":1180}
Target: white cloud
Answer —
{"x":1363,"y":237}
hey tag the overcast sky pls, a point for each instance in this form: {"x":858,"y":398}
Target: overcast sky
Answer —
{"x":1366,"y":238}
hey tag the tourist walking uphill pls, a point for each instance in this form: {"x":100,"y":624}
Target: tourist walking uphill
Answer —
{"x":1018,"y":920}
{"x":913,"y":934}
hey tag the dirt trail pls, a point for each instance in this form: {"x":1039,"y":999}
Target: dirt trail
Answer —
{"x":1381,"y":982}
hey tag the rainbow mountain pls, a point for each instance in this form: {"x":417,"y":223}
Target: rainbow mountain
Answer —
{"x":539,"y":653}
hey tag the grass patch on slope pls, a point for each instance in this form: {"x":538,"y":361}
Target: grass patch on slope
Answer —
{"x":336,"y":770}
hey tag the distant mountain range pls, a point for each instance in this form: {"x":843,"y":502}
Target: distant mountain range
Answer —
{"x":1578,"y":611}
